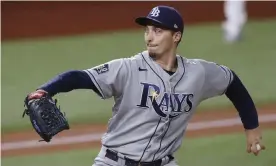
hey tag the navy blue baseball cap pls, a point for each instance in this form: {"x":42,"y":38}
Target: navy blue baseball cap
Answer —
{"x":163,"y":16}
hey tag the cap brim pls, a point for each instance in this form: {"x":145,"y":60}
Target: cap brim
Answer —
{"x":144,"y":21}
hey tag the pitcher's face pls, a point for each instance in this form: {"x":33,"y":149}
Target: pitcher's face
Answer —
{"x":159,"y":41}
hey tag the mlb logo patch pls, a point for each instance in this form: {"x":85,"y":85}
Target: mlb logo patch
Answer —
{"x":102,"y":69}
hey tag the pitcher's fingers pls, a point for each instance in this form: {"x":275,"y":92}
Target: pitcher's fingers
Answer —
{"x":248,"y":149}
{"x":262,"y":147}
{"x":254,"y":148}
{"x":256,"y":153}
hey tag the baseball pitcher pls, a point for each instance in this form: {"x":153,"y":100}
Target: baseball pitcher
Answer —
{"x":156,"y":92}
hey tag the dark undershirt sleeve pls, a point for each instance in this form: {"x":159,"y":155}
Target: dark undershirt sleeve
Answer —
{"x":243,"y":102}
{"x":68,"y":81}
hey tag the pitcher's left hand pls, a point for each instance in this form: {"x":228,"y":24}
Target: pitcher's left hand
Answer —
{"x":254,"y":141}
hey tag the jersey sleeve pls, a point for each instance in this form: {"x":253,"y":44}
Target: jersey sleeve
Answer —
{"x":217,"y":79}
{"x":110,"y":77}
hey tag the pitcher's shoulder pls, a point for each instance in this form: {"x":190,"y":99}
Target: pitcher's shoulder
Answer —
{"x":136,"y":59}
{"x":207,"y":65}
{"x":194,"y":64}
{"x":189,"y":61}
{"x":200,"y":62}
{"x":137,"y":56}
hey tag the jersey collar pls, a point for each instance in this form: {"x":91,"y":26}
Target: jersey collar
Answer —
{"x":173,"y":79}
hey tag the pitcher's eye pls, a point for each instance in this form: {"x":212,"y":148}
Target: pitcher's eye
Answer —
{"x":158,"y":30}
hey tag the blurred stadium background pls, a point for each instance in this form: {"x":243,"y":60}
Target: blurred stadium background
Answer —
{"x":42,"y":39}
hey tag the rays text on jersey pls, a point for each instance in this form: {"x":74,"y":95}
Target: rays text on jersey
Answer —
{"x":165,"y":104}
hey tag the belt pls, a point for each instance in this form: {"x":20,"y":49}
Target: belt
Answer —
{"x":129,"y":162}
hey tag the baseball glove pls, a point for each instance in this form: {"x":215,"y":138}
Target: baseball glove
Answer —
{"x":46,"y":118}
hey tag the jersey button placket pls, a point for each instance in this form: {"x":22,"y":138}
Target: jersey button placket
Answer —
{"x":170,"y":95}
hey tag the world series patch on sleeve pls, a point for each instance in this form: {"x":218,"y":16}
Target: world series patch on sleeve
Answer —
{"x":102,"y":69}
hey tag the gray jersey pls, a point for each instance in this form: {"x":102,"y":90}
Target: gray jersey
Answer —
{"x":152,"y":108}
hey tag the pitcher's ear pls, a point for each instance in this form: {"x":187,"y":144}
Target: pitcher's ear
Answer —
{"x":177,"y":37}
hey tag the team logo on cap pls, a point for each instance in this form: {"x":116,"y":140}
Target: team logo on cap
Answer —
{"x":155,"y":12}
